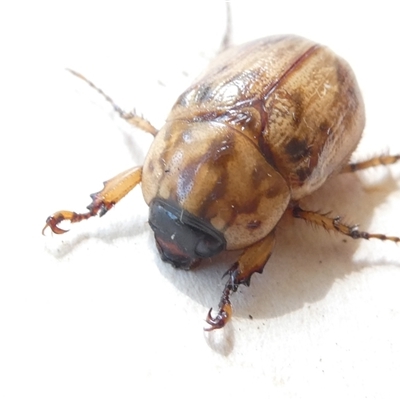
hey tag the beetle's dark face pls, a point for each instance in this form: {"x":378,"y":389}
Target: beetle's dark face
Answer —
{"x":183,"y":239}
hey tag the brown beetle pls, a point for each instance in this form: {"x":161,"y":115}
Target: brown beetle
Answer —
{"x":267,"y":124}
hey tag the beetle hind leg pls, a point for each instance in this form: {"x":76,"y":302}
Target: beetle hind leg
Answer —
{"x":334,"y":224}
{"x":372,"y":162}
{"x":131,"y":117}
{"x":251,"y":260}
{"x":114,"y":190}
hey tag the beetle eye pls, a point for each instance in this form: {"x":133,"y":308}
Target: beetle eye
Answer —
{"x":208,"y":246}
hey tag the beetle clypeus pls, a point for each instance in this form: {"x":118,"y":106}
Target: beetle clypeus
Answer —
{"x":267,"y":124}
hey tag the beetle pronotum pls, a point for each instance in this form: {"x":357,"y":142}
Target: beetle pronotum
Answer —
{"x":266,"y":125}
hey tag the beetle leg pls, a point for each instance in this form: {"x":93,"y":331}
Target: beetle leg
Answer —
{"x":114,"y":190}
{"x":334,"y":224}
{"x":251,"y":260}
{"x":130,"y":117}
{"x":373,"y":162}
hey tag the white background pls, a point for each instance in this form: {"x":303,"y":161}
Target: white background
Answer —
{"x":95,"y":314}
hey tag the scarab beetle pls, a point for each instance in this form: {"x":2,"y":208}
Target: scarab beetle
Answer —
{"x":267,"y":124}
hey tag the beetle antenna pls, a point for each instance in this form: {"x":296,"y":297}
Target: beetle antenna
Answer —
{"x":130,"y":117}
{"x":227,"y":39}
{"x":116,"y":108}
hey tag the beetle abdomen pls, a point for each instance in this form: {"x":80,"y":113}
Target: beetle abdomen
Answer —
{"x":296,"y":100}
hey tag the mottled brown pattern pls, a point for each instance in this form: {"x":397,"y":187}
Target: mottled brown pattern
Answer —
{"x":270,"y":109}
{"x":218,"y":175}
{"x":302,"y":174}
{"x":254,"y":224}
{"x":294,"y":99}
{"x":297,"y":149}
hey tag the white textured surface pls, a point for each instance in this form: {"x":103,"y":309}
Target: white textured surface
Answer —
{"x":95,"y":313}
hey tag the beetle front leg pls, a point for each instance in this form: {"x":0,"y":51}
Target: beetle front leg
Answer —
{"x":114,"y":190}
{"x":252,"y":260}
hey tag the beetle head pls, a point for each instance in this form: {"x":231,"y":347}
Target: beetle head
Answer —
{"x":183,"y":239}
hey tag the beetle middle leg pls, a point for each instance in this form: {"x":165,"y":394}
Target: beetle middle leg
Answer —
{"x":251,"y":260}
{"x":130,"y":117}
{"x":372,"y":162}
{"x":114,"y":190}
{"x":334,"y":224}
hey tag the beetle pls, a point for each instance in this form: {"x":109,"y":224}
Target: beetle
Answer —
{"x":266,"y":125}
